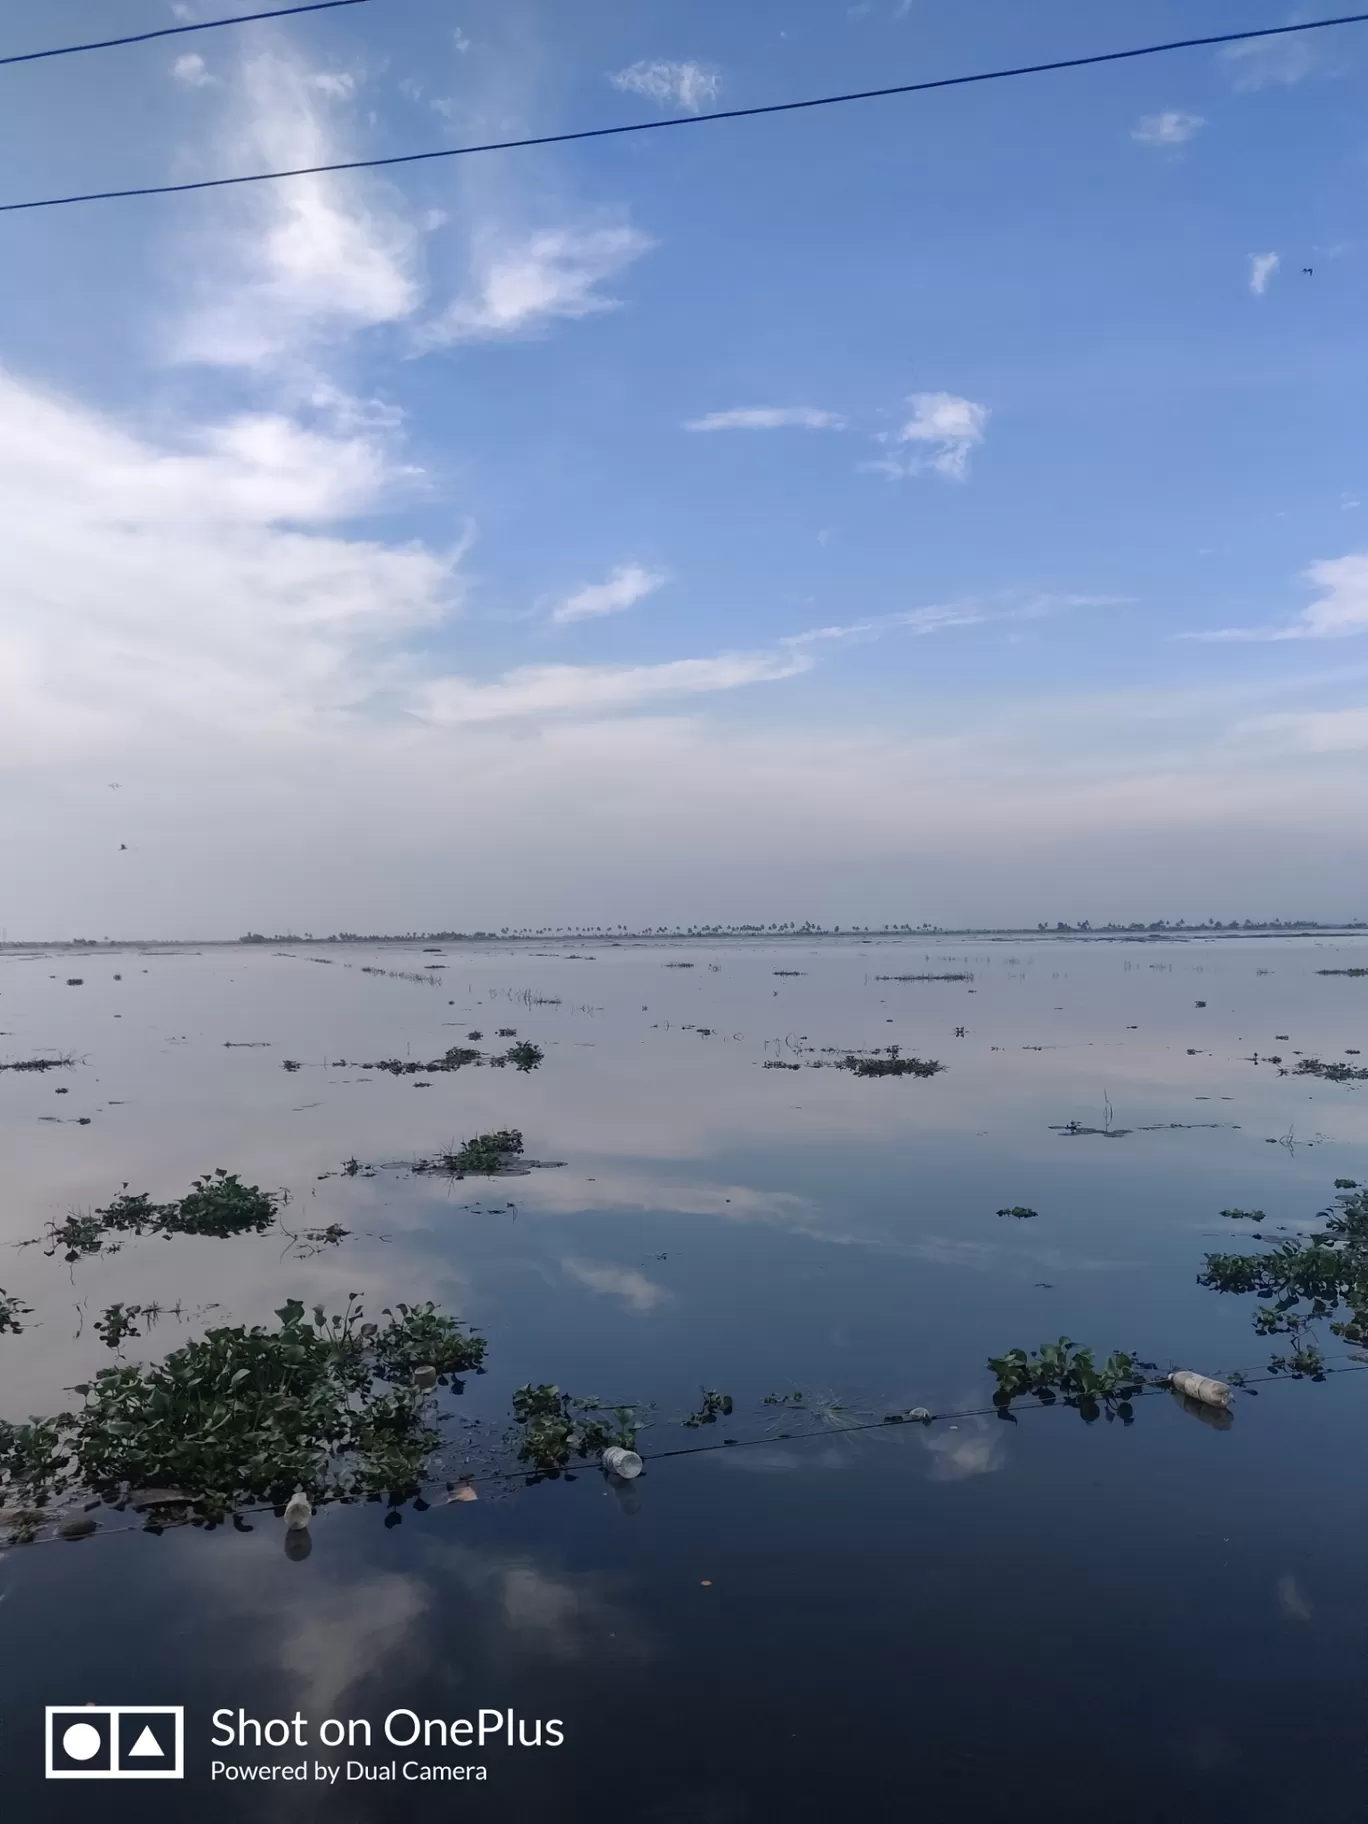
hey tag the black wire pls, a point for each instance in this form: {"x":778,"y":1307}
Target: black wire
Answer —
{"x":687,"y":120}
{"x":174,"y":31}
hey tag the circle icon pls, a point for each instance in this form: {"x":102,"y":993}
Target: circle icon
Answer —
{"x":82,"y":1742}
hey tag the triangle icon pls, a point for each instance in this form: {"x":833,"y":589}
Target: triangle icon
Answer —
{"x":147,"y":1743}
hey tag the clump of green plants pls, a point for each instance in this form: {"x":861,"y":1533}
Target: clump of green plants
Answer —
{"x":524,"y":1055}
{"x":422,"y":1336}
{"x":1332,"y":1073}
{"x":455,"y":1057}
{"x":556,"y":1427}
{"x":714,"y":1406}
{"x":891,"y":1064}
{"x":1319,"y":1277}
{"x":12,"y":1310}
{"x":248,"y":1413}
{"x":1021,"y":1211}
{"x":483,"y":1157}
{"x":1246,"y":1215}
{"x":118,"y":1322}
{"x":62,"y":1062}
{"x":217,"y":1204}
{"x":1342,"y":972}
{"x":1061,"y":1371}
{"x":955,"y":977}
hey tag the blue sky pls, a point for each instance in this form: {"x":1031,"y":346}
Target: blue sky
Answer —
{"x":944,"y":507}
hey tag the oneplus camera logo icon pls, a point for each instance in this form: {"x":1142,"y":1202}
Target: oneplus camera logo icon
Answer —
{"x":115,"y":1742}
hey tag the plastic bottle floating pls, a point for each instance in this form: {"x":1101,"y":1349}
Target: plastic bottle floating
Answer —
{"x":1200,"y":1387}
{"x":298,"y":1513}
{"x":620,"y":1462}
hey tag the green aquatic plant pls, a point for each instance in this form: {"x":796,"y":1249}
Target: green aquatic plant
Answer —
{"x":249,"y":1413}
{"x":714,"y":1406}
{"x":1319,"y":1277}
{"x":1022,"y":1211}
{"x":893,"y":1064}
{"x":12,"y":1309}
{"x":217,"y":1204}
{"x":1332,"y":1073}
{"x":524,"y":1055}
{"x":485,"y":1156}
{"x":556,"y":1427}
{"x":1061,"y":1371}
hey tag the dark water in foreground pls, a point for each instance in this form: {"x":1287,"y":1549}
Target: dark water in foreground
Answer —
{"x":975,"y":1620}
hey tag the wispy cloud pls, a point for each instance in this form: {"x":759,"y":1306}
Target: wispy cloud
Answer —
{"x":192,"y":70}
{"x":1262,"y":63}
{"x":690,"y":86}
{"x":624,"y":588}
{"x":1171,"y":128}
{"x":938,"y":437}
{"x":1262,"y":267}
{"x":1326,"y":731}
{"x":287,"y":266}
{"x":533,"y":691}
{"x":768,"y":418}
{"x":1341,"y":611}
{"x":633,"y":1288}
{"x":521,"y":285}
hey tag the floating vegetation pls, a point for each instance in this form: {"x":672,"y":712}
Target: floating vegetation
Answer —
{"x":679,"y":965}
{"x":398,"y":975}
{"x":62,"y":1062}
{"x":291,"y":1064}
{"x":526,"y":1056}
{"x":305,"y":1243}
{"x":456,"y":1057}
{"x":1020,"y":1211}
{"x":891,"y":1064}
{"x":1342,"y":972}
{"x":12,"y":1309}
{"x":557,"y":1427}
{"x":250,"y":1414}
{"x":1333,"y":1073}
{"x":218,"y":1204}
{"x":1061,"y":1371}
{"x":779,"y":1064}
{"x":118,"y":1322}
{"x":797,"y":972}
{"x":485,"y":1156}
{"x":953,"y":977}
{"x":1246,"y":1215}
{"x":1306,"y":1281}
{"x":714,"y":1406}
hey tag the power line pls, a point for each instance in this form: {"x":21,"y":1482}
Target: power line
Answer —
{"x":174,"y":31}
{"x":684,"y":120}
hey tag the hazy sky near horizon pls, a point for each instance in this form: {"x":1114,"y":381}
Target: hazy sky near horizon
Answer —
{"x":950,"y":507}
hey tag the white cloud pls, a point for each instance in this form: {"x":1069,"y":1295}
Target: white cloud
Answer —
{"x":1261,"y":63}
{"x":1342,"y":610}
{"x":192,"y":70}
{"x":949,"y":427}
{"x":286,"y":265}
{"x":768,"y":418}
{"x":1171,"y":128}
{"x":633,"y":1288}
{"x":1328,"y":731}
{"x":199,"y":583}
{"x":459,"y":39}
{"x":691,"y":86}
{"x":337,"y":85}
{"x":1262,"y":267}
{"x":628,"y":584}
{"x":520,"y":285}
{"x":538,"y":691}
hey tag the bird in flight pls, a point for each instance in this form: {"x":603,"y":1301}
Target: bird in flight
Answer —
{"x":1307,"y":271}
{"x":122,"y":846}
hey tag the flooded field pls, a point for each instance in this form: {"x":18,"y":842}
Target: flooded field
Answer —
{"x":718,"y":1206}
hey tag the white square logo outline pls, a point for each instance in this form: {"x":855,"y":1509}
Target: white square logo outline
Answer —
{"x":114,"y":1771}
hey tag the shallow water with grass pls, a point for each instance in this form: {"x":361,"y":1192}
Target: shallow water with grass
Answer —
{"x":712,"y":1202}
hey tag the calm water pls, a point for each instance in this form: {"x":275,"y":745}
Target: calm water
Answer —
{"x":974,"y":1620}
